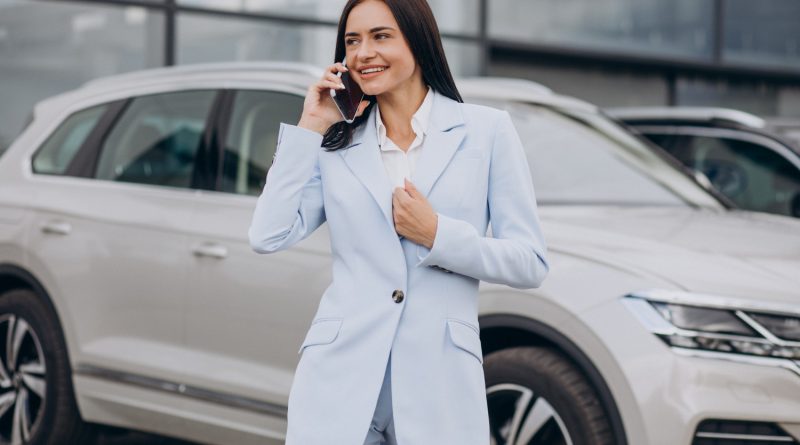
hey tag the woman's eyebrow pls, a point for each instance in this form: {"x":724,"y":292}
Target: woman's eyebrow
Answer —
{"x":371,"y":31}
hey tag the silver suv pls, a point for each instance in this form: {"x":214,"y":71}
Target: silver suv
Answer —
{"x":130,"y":296}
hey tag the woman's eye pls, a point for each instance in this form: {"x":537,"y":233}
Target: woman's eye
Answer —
{"x":349,"y":42}
{"x":381,"y":35}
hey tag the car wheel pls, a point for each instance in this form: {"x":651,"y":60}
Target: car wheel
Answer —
{"x":538,"y":397}
{"x":37,"y":402}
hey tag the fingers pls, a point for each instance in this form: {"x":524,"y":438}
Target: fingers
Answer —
{"x":332,"y":77}
{"x":326,"y":84}
{"x":336,"y":67}
{"x":412,"y":190}
{"x":329,"y":78}
{"x":399,"y":191}
{"x":331,"y":84}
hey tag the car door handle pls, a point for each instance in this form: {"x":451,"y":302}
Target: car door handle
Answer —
{"x":211,"y":250}
{"x":57,"y":227}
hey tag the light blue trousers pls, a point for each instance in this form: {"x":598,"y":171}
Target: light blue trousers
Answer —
{"x":381,"y":430}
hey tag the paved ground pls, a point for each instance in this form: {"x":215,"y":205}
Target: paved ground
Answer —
{"x":135,"y":438}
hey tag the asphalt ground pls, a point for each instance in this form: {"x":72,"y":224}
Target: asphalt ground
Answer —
{"x":137,"y":438}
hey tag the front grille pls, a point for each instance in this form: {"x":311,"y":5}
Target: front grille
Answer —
{"x":734,"y":432}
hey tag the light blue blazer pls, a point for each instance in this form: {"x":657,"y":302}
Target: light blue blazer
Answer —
{"x":473,"y":170}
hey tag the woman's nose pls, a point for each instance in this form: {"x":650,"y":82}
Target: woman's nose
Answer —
{"x":365,"y":51}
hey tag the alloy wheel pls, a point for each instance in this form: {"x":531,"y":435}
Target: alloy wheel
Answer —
{"x":517,"y":416}
{"x":22,"y":380}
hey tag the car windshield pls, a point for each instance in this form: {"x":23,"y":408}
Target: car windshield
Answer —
{"x":581,"y":157}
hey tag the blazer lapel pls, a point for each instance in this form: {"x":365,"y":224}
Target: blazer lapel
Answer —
{"x":363,"y":158}
{"x":445,"y":133}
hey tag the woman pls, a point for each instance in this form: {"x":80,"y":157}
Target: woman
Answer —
{"x":393,"y":353}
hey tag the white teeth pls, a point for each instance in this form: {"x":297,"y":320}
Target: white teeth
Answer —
{"x":372,"y":70}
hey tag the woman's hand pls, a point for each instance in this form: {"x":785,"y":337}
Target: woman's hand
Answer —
{"x":414,"y":218}
{"x":319,"y":110}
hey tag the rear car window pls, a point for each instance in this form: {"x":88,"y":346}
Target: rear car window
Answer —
{"x":55,"y":155}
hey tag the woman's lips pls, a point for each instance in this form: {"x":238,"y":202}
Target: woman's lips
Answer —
{"x":371,"y":75}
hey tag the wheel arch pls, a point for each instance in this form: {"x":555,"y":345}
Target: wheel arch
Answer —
{"x":13,"y":277}
{"x":501,"y":331}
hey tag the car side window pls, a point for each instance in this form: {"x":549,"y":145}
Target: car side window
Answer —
{"x":252,"y":137}
{"x":55,"y":155}
{"x":753,"y":176}
{"x":156,"y":139}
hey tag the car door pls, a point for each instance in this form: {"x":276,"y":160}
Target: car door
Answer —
{"x":246,"y":314}
{"x":110,"y":233}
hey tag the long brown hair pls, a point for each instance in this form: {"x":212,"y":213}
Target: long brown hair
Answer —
{"x":418,"y":26}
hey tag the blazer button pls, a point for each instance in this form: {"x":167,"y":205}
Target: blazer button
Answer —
{"x":397,"y":295}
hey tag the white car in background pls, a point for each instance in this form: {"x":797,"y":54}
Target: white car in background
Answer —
{"x":742,"y":155}
{"x":130,"y":296}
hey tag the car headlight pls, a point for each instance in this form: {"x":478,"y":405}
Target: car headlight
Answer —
{"x":787,"y":328}
{"x":705,"y":323}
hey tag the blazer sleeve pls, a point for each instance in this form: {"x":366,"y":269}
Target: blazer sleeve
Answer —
{"x":290,"y":206}
{"x":516,"y":253}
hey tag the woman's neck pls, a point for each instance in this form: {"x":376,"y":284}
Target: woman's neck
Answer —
{"x":399,"y":105}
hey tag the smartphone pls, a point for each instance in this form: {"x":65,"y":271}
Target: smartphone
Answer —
{"x":348,"y":99}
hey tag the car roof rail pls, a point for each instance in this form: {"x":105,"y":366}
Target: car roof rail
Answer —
{"x":209,"y":68}
{"x":686,"y":113}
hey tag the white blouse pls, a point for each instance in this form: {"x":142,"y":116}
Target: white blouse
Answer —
{"x":400,"y":164}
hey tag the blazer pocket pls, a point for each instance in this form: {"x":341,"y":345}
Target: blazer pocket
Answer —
{"x":322,"y":331}
{"x":466,"y":337}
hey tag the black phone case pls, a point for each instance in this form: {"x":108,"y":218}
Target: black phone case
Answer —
{"x":348,"y":99}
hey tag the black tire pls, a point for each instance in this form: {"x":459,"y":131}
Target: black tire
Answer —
{"x":54,"y":419}
{"x":530,"y":383}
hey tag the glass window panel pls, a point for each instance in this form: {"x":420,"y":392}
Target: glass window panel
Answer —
{"x":763,"y":32}
{"x":212,"y":39}
{"x":201,"y":38}
{"x":457,"y":16}
{"x":454,"y":16}
{"x":253,"y":136}
{"x":328,"y":10}
{"x":463,"y":57}
{"x":48,"y":47}
{"x":667,"y":28}
{"x":156,"y":139}
{"x":61,"y":147}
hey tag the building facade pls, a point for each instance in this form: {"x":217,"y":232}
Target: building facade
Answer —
{"x":737,"y":53}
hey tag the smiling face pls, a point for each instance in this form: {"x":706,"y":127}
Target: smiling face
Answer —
{"x":373,"y":42}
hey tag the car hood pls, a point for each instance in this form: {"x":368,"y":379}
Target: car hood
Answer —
{"x":717,"y":252}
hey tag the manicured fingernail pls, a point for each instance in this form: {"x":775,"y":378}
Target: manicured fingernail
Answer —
{"x":341,"y":86}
